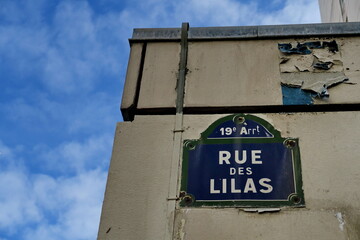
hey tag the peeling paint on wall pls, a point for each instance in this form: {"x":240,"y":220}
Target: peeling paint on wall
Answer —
{"x":341,"y":220}
{"x":296,"y":96}
{"x":181,"y":233}
{"x":305,"y":48}
{"x":262,"y":210}
{"x":298,"y":63}
{"x":332,"y":46}
{"x":288,"y":49}
{"x":317,"y":83}
{"x":310,"y":57}
{"x":311,"y":68}
{"x":321,"y":86}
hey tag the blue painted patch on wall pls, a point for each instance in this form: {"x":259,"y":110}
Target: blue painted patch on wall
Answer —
{"x":296,"y":96}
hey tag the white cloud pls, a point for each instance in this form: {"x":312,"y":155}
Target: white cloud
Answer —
{"x":90,"y":114}
{"x":76,"y":203}
{"x":39,"y":206}
{"x":5,"y":153}
{"x":70,"y":54}
{"x":199,"y":13}
{"x":20,"y":46}
{"x":79,"y":54}
{"x":294,"y":12}
{"x":76,"y":157}
{"x":21,"y":110}
{"x":77,"y":209}
{"x":29,"y":12}
{"x":17,"y":203}
{"x":69,"y":63}
{"x":98,"y":115}
{"x":215,"y":13}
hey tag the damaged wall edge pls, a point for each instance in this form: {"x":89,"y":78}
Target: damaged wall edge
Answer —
{"x":252,"y":109}
{"x":129,"y":112}
{"x":248,"y":32}
{"x":308,"y":69}
{"x":312,"y":89}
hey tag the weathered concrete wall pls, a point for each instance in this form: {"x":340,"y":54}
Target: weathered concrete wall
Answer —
{"x":136,"y":197}
{"x":343,"y":63}
{"x":329,"y":180}
{"x":136,"y":193}
{"x":132,"y":75}
{"x":159,"y":75}
{"x":253,"y":67}
{"x":339,"y":10}
{"x":233,"y":73}
{"x":330,"y":11}
{"x":240,"y":73}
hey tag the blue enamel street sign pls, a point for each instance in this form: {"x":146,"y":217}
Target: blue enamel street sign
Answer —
{"x":241,"y":161}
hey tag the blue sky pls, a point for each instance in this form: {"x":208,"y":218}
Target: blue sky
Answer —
{"x":62,"y":70}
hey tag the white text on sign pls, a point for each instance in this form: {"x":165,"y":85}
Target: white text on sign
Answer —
{"x":240,"y":157}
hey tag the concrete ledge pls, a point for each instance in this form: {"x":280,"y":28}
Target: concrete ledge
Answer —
{"x":246,"y":32}
{"x":223,"y":32}
{"x":156,"y":34}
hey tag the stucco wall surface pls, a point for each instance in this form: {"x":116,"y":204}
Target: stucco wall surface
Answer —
{"x":132,"y":75}
{"x":159,"y":77}
{"x":339,"y":10}
{"x":135,"y":200}
{"x":239,"y":73}
{"x":135,"y":205}
{"x":330,"y":170}
{"x":234,"y":73}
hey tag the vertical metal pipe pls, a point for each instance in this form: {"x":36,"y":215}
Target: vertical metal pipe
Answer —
{"x":180,"y":88}
{"x":178,"y":129}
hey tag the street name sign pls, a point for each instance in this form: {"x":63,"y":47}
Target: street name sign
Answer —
{"x":241,"y":161}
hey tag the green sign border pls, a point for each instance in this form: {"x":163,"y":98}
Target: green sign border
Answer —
{"x":294,"y":200}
